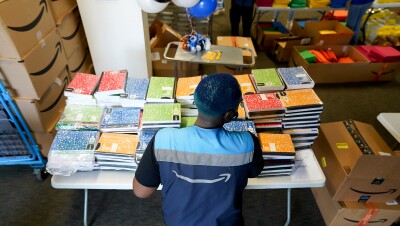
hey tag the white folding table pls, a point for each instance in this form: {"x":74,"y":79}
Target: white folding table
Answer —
{"x":391,"y":121}
{"x":307,"y":173}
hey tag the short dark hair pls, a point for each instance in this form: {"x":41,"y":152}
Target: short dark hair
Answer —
{"x":217,"y":94}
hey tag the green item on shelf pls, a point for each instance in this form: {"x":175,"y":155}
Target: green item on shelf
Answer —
{"x":309,"y":57}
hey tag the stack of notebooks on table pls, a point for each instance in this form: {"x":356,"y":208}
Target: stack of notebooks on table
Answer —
{"x":80,"y":117}
{"x":116,"y":152}
{"x":266,"y":80}
{"x":246,"y":88}
{"x":121,"y":120}
{"x":185,"y":94}
{"x":296,"y":78}
{"x":161,"y":90}
{"x":303,"y":110}
{"x":81,"y":89}
{"x":135,"y":92}
{"x":160,"y":115}
{"x":266,"y":110}
{"x":280,"y":3}
{"x":112,"y":85}
{"x":72,"y":151}
{"x":278,"y":154}
{"x":144,"y":138}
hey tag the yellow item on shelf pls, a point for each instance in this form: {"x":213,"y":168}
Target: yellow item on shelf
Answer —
{"x":209,"y":56}
{"x":327,"y":32}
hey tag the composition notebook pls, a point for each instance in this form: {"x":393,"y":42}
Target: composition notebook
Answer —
{"x":162,"y":113}
{"x":266,"y":80}
{"x":245,"y":83}
{"x":112,"y":82}
{"x":82,"y":85}
{"x":279,"y":146}
{"x":296,"y":78}
{"x":300,"y":100}
{"x":112,"y":143}
{"x":186,"y":86}
{"x":161,"y":89}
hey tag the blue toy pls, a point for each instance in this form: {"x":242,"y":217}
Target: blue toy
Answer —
{"x":196,"y":42}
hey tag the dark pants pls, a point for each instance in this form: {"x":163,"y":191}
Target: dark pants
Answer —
{"x":246,"y":13}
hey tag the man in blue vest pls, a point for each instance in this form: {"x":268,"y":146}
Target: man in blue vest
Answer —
{"x":203,"y":168}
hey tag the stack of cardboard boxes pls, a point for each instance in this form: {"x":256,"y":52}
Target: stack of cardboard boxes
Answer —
{"x":34,"y":62}
{"x":362,"y":175}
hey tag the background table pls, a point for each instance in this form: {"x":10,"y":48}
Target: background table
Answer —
{"x":306,"y":173}
{"x":391,"y":121}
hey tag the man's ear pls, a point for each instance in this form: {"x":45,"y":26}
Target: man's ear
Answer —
{"x":230,"y":115}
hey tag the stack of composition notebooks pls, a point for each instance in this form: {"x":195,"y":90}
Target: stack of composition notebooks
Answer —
{"x":161,"y":115}
{"x":265,"y":109}
{"x":116,"y":152}
{"x":80,"y":117}
{"x":121,"y":120}
{"x":303,"y":110}
{"x":266,"y":80}
{"x":161,"y":90}
{"x":240,"y":126}
{"x":278,"y":153}
{"x":81,"y":89}
{"x":296,"y":78}
{"x":185,"y":94}
{"x":112,"y":85}
{"x":144,"y":138}
{"x":72,"y":151}
{"x":135,"y":92}
{"x":246,"y":88}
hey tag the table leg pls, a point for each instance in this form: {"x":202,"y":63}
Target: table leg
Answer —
{"x":288,"y":207}
{"x":85,"y":208}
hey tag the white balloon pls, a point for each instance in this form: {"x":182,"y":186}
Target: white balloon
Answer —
{"x":151,"y":6}
{"x":186,"y":3}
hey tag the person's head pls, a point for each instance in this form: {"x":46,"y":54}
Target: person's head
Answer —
{"x":217,"y":97}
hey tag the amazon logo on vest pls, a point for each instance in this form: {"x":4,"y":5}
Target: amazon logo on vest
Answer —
{"x":48,"y":67}
{"x":32,"y":24}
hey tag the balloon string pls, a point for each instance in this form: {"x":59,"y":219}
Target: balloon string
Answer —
{"x":190,"y":22}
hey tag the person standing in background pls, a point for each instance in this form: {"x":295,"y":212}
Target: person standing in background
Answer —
{"x":241,"y":9}
{"x":357,"y":9}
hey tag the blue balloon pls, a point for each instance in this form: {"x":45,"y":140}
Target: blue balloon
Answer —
{"x":203,"y":9}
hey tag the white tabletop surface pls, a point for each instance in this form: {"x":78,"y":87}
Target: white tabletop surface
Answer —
{"x":307,"y":173}
{"x":391,"y":121}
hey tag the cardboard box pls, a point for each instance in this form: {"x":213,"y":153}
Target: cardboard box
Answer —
{"x":342,"y":37}
{"x":282,"y":47}
{"x":60,"y":8}
{"x":44,"y":140}
{"x":336,"y":72}
{"x":72,"y":33}
{"x":352,"y":213}
{"x":240,"y":42}
{"x":299,"y":24}
{"x":231,"y":70}
{"x":352,"y":175}
{"x":42,"y":115}
{"x":34,"y":74}
{"x":79,"y":61}
{"x":265,"y":38}
{"x":23,"y":23}
{"x":162,"y":34}
{"x":163,"y":67}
